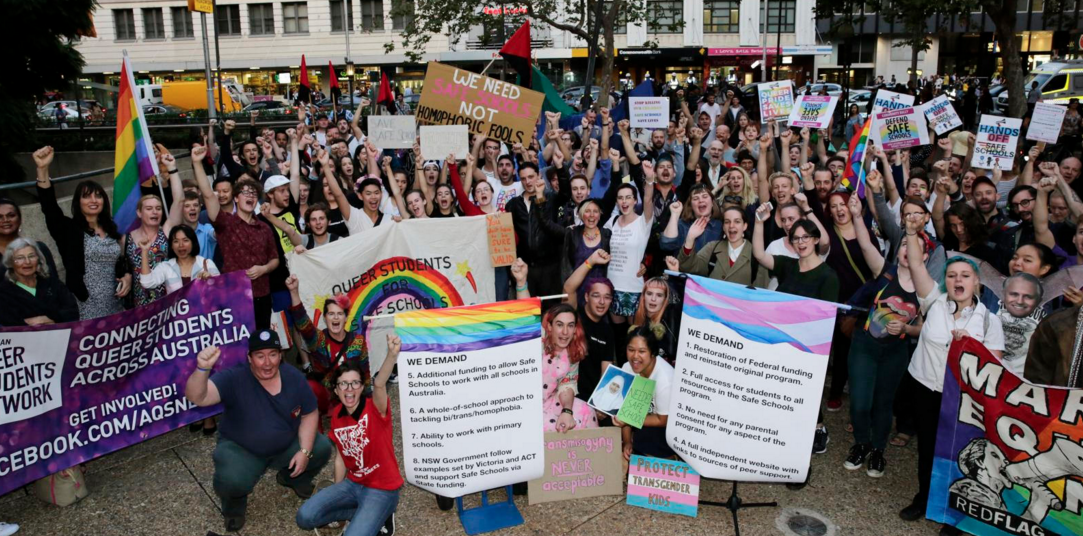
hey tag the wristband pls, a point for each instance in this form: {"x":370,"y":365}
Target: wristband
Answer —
{"x":588,"y":264}
{"x":520,"y":289}
{"x":568,"y":411}
{"x":174,"y":171}
{"x":201,"y":369}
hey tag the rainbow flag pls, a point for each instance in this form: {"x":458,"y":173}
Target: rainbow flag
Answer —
{"x":854,"y":175}
{"x":762,"y":315}
{"x":134,"y":159}
{"x":471,"y":327}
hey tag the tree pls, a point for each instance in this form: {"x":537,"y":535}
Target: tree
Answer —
{"x":455,"y":18}
{"x":39,"y":55}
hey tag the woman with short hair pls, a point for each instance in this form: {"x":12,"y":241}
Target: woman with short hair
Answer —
{"x":31,"y":295}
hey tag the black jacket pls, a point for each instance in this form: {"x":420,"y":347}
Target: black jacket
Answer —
{"x":69,"y":243}
{"x":537,"y":237}
{"x":52,"y":300}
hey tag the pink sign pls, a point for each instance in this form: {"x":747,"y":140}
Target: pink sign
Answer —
{"x":741,"y":51}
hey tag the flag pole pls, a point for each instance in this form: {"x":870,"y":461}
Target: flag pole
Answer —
{"x":483,"y":71}
{"x":143,"y":124}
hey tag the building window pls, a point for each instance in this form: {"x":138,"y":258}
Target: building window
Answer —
{"x":665,"y":16}
{"x":182,"y":23}
{"x":861,"y":49}
{"x":261,"y":19}
{"x":295,"y":17}
{"x":153,"y":26}
{"x":227,"y":20}
{"x":620,"y":26}
{"x":336,"y":15}
{"x":400,"y":22}
{"x":720,"y":16}
{"x":124,"y":22}
{"x":780,"y":16}
{"x":372,"y":15}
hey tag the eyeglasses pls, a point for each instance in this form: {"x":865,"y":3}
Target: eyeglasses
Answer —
{"x":349,"y":385}
{"x":801,"y":239}
{"x":1023,"y":204}
{"x":33,"y":257}
{"x":248,"y":192}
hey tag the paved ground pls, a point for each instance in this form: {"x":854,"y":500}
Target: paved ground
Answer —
{"x":162,"y":487}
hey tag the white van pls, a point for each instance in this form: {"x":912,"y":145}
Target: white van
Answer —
{"x":1058,"y":81}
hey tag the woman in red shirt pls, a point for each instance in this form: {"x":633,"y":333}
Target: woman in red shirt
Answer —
{"x":367,"y":478}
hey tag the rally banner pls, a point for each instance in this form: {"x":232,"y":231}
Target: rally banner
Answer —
{"x":996,"y":142}
{"x":886,"y":101}
{"x":813,"y":111}
{"x":648,"y":112}
{"x":901,"y":129}
{"x":72,"y":392}
{"x":1046,"y":122}
{"x":416,"y":264}
{"x":497,"y":109}
{"x":1009,"y":458}
{"x":471,"y":396}
{"x":776,"y":100}
{"x":941,"y":115}
{"x":751,"y":366}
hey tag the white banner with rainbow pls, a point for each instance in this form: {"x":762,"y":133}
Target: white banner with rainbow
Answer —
{"x":406,"y":266}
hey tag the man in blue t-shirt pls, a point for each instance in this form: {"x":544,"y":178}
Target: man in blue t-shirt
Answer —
{"x":269,"y":420}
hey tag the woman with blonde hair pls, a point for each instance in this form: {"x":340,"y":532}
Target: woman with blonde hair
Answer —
{"x":654,"y":313}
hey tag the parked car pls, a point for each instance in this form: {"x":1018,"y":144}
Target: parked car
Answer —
{"x":163,"y":109}
{"x":834,"y":90}
{"x":573,"y":95}
{"x":412,"y":100}
{"x":860,"y":97}
{"x":269,"y":106}
{"x":48,"y":110}
{"x":344,"y":101}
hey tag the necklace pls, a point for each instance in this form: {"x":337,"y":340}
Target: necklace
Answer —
{"x":589,"y":236}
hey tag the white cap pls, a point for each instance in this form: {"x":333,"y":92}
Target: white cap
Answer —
{"x":274,"y":181}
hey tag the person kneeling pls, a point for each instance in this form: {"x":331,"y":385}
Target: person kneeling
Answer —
{"x":269,"y":420}
{"x":367,"y":480}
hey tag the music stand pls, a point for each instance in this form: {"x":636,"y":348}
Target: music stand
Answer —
{"x":735,"y":503}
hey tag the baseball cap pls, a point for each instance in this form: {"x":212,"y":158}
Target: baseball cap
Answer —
{"x":274,"y":181}
{"x":262,"y":340}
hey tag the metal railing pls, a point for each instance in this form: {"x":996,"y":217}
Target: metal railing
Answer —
{"x":77,"y":176}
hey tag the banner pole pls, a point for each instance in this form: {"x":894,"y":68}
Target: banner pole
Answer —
{"x":486,"y":69}
{"x":542,"y":298}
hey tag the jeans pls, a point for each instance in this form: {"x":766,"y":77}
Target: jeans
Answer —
{"x":366,"y":508}
{"x":502,"y":276}
{"x":875,"y":371}
{"x":236,"y":471}
{"x":927,"y":414}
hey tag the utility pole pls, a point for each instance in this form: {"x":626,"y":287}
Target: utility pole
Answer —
{"x":763,"y":42}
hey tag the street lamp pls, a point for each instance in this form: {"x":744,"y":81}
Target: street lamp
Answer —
{"x":349,"y":78}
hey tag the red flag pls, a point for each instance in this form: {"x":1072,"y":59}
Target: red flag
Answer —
{"x":304,"y":91}
{"x":517,"y":53}
{"x":336,"y":91}
{"x":386,"y":96}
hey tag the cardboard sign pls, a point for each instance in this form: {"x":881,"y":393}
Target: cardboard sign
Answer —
{"x":579,"y":464}
{"x":941,"y":115}
{"x":501,"y":239}
{"x":663,"y":485}
{"x":439,"y":141}
{"x":488,"y":106}
{"x":813,"y":111}
{"x":638,"y":402}
{"x":393,"y":131}
{"x":776,"y":100}
{"x":902,"y":128}
{"x":996,"y":143}
{"x":1045,"y":123}
{"x":648,"y":112}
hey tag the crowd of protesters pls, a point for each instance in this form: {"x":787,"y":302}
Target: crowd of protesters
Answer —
{"x":601,"y":211}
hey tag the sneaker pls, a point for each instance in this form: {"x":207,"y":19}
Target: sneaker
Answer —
{"x":858,"y":454}
{"x":393,"y":379}
{"x":877,"y":463}
{"x":389,"y":526}
{"x":7,"y":529}
{"x":913,"y":512}
{"x":948,"y":530}
{"x":235,"y":523}
{"x":834,"y":405}
{"x":445,"y":503}
{"x":820,"y":440}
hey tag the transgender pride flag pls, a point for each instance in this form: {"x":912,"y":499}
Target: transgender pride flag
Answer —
{"x":762,"y":315}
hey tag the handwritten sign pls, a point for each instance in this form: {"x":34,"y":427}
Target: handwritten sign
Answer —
{"x":941,"y":115}
{"x":886,"y":101}
{"x":393,"y":131}
{"x":501,"y":239}
{"x":488,"y":106}
{"x":996,"y":143}
{"x":1045,"y":123}
{"x":579,"y":464}
{"x":638,"y":402}
{"x":902,"y":128}
{"x":648,"y":112}
{"x":439,"y":141}
{"x":776,"y":100}
{"x":663,"y":485}
{"x":813,"y":111}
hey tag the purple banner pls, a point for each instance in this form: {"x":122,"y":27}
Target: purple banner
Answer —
{"x":72,"y":392}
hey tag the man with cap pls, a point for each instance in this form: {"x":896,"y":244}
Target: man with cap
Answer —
{"x":322,"y":122}
{"x":269,"y":419}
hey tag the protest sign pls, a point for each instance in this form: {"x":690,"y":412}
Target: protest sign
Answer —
{"x":471,"y":405}
{"x":393,"y":131}
{"x":996,"y":142}
{"x":941,"y":115}
{"x":1009,"y":458}
{"x":1045,"y":122}
{"x":901,"y":128}
{"x":497,"y":109}
{"x":415,"y":264}
{"x":76,"y":391}
{"x":663,"y":485}
{"x":439,"y":141}
{"x":886,"y":101}
{"x":501,"y":232}
{"x":637,"y":404}
{"x":776,"y":100}
{"x":813,"y":111}
{"x":612,"y":390}
{"x":579,"y":464}
{"x":648,"y":112}
{"x":753,"y":365}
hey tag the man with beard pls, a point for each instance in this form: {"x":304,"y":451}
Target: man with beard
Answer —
{"x":985,"y":200}
{"x":538,"y":238}
{"x":1018,"y":228}
{"x":504,"y":186}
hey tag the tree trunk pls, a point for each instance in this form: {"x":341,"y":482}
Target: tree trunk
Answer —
{"x":914,"y":51}
{"x":1004,"y":22}
{"x":608,"y":21}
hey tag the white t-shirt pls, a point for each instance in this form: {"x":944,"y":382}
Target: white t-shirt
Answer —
{"x":626,"y":248}
{"x":930,"y":359}
{"x":502,"y":194}
{"x":714,"y":110}
{"x":663,"y":379}
{"x":359,"y":222}
{"x":387,"y":204}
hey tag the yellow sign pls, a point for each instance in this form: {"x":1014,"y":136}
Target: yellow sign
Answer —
{"x":202,"y":6}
